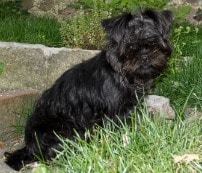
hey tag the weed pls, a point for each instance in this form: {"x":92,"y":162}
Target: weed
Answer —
{"x":2,"y":65}
{"x":85,"y":30}
{"x":180,"y":13}
{"x":21,"y":118}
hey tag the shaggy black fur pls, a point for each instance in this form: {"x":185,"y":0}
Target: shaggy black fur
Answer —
{"x":136,"y":51}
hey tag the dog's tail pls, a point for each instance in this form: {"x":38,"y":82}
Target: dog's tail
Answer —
{"x":19,"y":158}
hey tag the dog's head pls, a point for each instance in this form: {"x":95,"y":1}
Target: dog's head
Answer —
{"x":137,"y":44}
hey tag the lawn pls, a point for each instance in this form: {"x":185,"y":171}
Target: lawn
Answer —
{"x":19,"y":26}
{"x":145,"y":146}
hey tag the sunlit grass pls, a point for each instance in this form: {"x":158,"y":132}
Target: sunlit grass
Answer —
{"x":145,"y":146}
{"x":185,"y":74}
{"x":19,"y":26}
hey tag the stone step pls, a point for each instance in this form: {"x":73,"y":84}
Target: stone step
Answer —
{"x":13,"y":104}
{"x":36,"y":66}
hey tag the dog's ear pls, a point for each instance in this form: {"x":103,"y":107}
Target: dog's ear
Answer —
{"x":118,"y":22}
{"x":163,"y":20}
{"x":116,"y":26}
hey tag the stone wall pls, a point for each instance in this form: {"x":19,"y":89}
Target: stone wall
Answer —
{"x":36,"y":66}
{"x":50,"y":8}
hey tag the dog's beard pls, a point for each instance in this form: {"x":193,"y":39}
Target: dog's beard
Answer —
{"x":145,"y":68}
{"x":147,"y":72}
{"x":150,"y":70}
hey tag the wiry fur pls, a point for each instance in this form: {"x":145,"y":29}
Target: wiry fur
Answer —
{"x":136,"y":51}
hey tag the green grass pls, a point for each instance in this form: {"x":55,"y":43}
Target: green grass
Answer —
{"x":145,"y":146}
{"x":184,"y":75}
{"x":30,"y":29}
{"x":1,"y":67}
{"x":19,"y":26}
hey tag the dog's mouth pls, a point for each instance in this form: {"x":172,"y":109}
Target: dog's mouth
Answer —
{"x":147,"y":72}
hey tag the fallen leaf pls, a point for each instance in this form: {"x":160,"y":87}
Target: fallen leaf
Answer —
{"x":126,"y":140}
{"x":1,"y":144}
{"x":187,"y":158}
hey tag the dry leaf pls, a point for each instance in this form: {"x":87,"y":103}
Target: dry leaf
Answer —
{"x":1,"y":144}
{"x":187,"y":158}
{"x":126,"y":140}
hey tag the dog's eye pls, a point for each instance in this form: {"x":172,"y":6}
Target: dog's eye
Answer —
{"x":151,"y":43}
{"x":146,"y":46}
{"x":132,"y":47}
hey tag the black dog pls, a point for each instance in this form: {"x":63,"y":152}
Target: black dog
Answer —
{"x":136,"y":51}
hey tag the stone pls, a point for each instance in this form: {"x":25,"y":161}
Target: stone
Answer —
{"x":192,"y":114}
{"x":36,"y":66}
{"x":159,"y":106}
{"x":49,"y":8}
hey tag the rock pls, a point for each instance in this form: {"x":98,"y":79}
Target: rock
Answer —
{"x":36,"y":66}
{"x":159,"y":106}
{"x":49,"y":8}
{"x":192,"y":114}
